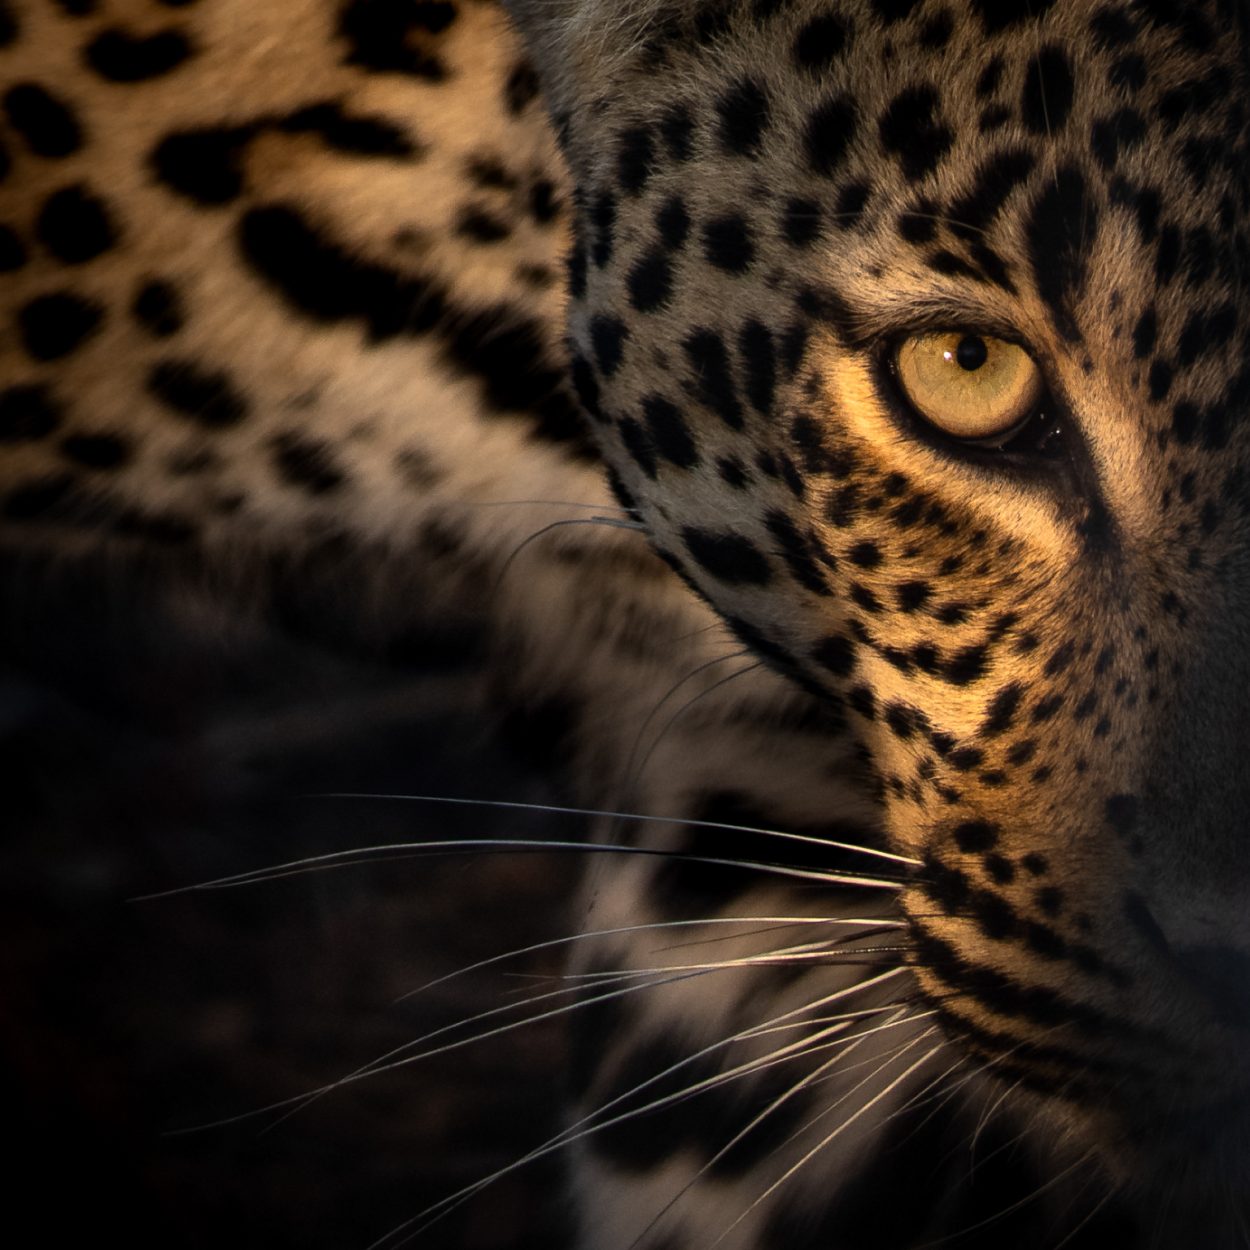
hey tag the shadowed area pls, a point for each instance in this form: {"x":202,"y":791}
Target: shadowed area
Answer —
{"x":126,"y":1019}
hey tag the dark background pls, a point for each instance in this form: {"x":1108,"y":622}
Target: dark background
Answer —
{"x":145,"y":746}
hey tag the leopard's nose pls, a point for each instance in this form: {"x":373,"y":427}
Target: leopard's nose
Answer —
{"x":1217,"y":970}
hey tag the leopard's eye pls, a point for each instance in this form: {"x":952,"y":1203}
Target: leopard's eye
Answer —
{"x":971,"y":386}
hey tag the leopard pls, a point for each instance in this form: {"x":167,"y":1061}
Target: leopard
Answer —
{"x":831,"y":413}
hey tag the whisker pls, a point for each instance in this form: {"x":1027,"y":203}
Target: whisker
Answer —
{"x":456,"y":846}
{"x":811,"y":1078}
{"x":672,"y":690}
{"x":1102,"y":1202}
{"x":817,"y":1076}
{"x":1015,"y":1206}
{"x":868,"y":1106}
{"x":681,"y":711}
{"x":545,"y":503}
{"x":390,"y":1061}
{"x":582,"y":1127}
{"x":543,"y":531}
{"x":600,"y":814}
{"x":774,"y":922}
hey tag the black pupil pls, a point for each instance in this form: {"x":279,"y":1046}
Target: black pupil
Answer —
{"x":971,"y":353}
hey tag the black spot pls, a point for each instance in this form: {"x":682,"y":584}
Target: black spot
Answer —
{"x":1167,"y":254}
{"x":966,"y":758}
{"x":204,"y":165}
{"x":95,"y":451}
{"x":837,"y":654}
{"x":586,"y":387}
{"x":1144,"y":333}
{"x":521,"y":88}
{"x":55,"y":325}
{"x":575,"y":268}
{"x":820,"y":42}
{"x":1002,"y":710}
{"x":974,"y":837}
{"x":1109,"y":136}
{"x":937,"y":31}
{"x":634,"y":159}
{"x":673,"y":222}
{"x":1113,"y":27}
{"x":500,"y":345}
{"x":866,"y":554}
{"x":990,"y":77}
{"x":830,"y":130}
{"x":46,"y":124}
{"x":728,"y":557}
{"x":1060,"y":660}
{"x":607,"y":341}
{"x":157,"y":307}
{"x":912,"y":596}
{"x":801,"y":222}
{"x":733,"y":472}
{"x":345,"y":132}
{"x":1046,"y":99}
{"x":603,"y":221}
{"x":999,"y":868}
{"x":755,"y":345}
{"x":919,"y":224}
{"x":638,"y":444}
{"x":27,"y":413}
{"x":797,"y":552}
{"x":849,"y":209}
{"x":1128,"y":72}
{"x":481,"y":225}
{"x":8,"y":25}
{"x":384,"y":35}
{"x":891,"y":11}
{"x":967,"y":665}
{"x":998,"y":15}
{"x":12,"y":251}
{"x":727,"y":243}
{"x":326,"y":283}
{"x":74,"y":225}
{"x":307,"y":463}
{"x":669,"y":432}
{"x":650,"y":282}
{"x":208,"y":397}
{"x":911,"y":129}
{"x":1061,"y":229}
{"x":744,"y":117}
{"x":122,"y":57}
{"x":677,"y":132}
{"x":713,"y":381}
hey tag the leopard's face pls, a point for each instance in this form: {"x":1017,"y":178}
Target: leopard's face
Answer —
{"x":1039,"y":637}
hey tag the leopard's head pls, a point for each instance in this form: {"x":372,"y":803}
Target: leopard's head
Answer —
{"x":916,"y":333}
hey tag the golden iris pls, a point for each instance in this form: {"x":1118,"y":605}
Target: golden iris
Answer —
{"x":971,"y":386}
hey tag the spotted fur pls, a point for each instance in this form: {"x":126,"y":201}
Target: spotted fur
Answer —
{"x":291,"y":276}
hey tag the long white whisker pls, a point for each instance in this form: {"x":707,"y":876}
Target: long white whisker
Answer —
{"x":453,"y":846}
{"x":837,"y":1132}
{"x":595,"y":813}
{"x":390,"y":1061}
{"x":775,"y":922}
{"x":582,"y":1127}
